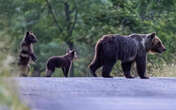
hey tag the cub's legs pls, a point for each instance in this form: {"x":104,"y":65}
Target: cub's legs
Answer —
{"x":66,"y":70}
{"x":49,"y":72}
{"x":126,"y":69}
{"x":24,"y":70}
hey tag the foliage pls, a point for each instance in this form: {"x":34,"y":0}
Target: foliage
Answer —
{"x":62,"y":24}
{"x":9,"y":99}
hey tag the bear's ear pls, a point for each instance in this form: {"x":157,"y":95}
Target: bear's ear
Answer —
{"x":73,"y":51}
{"x":152,"y":35}
{"x":27,"y":33}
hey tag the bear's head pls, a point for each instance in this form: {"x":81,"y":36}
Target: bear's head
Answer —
{"x":155,"y":44}
{"x":30,"y":38}
{"x":72,"y":54}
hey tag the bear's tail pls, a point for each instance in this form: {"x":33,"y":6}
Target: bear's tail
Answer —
{"x":98,"y":54}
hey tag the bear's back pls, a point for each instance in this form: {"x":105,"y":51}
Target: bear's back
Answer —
{"x":56,"y":61}
{"x":122,"y":46}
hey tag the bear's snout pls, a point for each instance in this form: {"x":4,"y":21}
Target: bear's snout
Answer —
{"x":162,"y":50}
{"x":35,"y":40}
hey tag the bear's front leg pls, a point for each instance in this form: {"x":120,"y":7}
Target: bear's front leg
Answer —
{"x":66,"y":70}
{"x":126,"y":69}
{"x":141,"y":67}
{"x":33,"y":57}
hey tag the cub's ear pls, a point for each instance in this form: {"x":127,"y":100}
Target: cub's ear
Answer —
{"x":27,"y":33}
{"x":152,"y":35}
{"x":73,"y":51}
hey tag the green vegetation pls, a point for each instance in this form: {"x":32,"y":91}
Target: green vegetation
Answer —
{"x":63,"y":24}
{"x":9,"y":99}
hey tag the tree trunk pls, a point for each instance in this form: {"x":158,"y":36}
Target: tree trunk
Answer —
{"x":71,"y":46}
{"x":70,"y":25}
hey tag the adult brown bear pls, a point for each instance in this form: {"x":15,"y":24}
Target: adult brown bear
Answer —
{"x":128,"y":49}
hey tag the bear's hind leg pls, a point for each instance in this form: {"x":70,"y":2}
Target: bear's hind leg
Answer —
{"x":93,"y":67}
{"x":24,"y":70}
{"x":126,"y":69}
{"x":49,"y":73}
{"x":107,"y":69}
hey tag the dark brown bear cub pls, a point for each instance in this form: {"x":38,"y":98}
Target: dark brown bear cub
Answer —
{"x":64,"y":62}
{"x":128,"y":49}
{"x":26,"y":53}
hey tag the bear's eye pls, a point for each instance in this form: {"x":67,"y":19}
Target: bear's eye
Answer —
{"x":32,"y":37}
{"x":158,"y":44}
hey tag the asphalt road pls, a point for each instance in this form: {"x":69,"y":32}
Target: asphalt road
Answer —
{"x":98,"y":93}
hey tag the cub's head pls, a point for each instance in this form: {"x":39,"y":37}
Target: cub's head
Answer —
{"x":30,"y":37}
{"x":154,"y":43}
{"x":72,"y":54}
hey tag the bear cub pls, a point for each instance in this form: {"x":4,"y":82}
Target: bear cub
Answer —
{"x":64,"y":62}
{"x":127,"y":49}
{"x":26,"y":53}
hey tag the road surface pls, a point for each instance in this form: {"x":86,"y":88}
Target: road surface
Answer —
{"x":98,"y":93}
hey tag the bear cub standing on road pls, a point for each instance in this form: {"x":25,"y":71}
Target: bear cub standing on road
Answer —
{"x":128,"y":49}
{"x":26,"y":53}
{"x":64,"y":62}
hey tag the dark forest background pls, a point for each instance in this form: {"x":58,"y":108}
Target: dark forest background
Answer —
{"x":78,"y":24}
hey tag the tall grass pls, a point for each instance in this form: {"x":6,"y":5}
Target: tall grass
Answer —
{"x":155,"y":70}
{"x":168,"y":70}
{"x":9,"y":97}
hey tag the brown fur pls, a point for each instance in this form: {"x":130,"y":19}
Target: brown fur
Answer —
{"x":64,"y":62}
{"x":26,"y":53}
{"x":128,"y":49}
